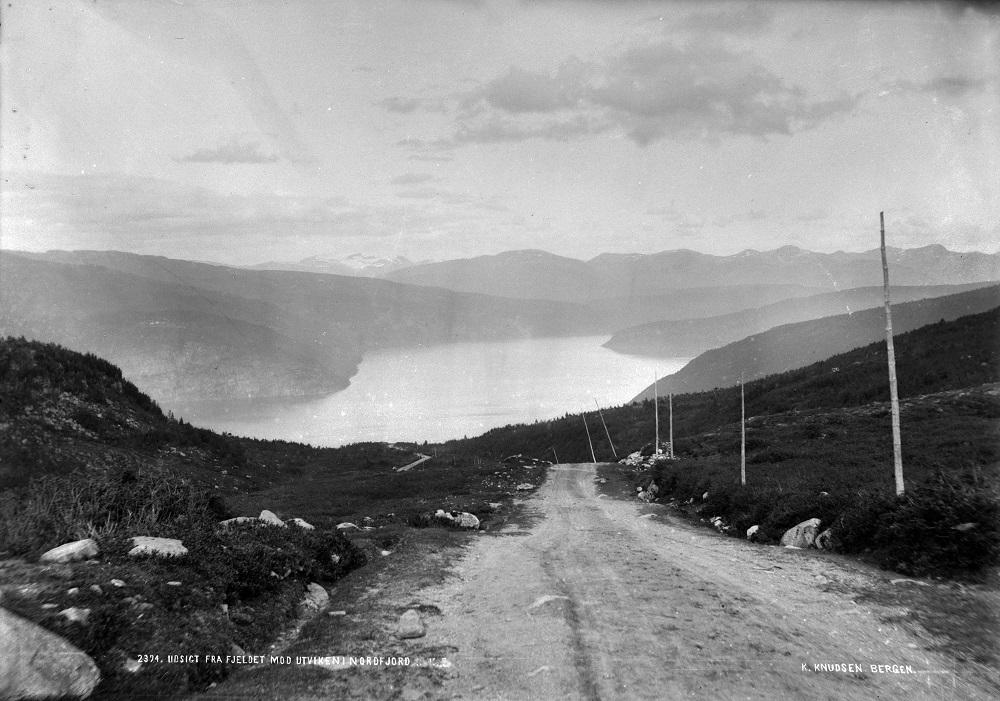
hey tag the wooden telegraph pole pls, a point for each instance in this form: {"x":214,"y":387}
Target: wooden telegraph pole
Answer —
{"x":606,"y":432}
{"x":656,"y":416}
{"x":897,"y":451}
{"x":671,"y":425}
{"x":743,"y":437}
{"x":592,"y":456}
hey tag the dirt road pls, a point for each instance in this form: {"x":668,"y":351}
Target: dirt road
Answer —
{"x":598,"y":601}
{"x":591,"y":597}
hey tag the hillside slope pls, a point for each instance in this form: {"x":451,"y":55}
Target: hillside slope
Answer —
{"x":797,"y":345}
{"x":689,"y":337}
{"x":194,"y":331}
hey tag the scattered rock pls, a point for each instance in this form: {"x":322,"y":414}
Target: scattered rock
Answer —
{"x":824,"y":541}
{"x":908,"y":581}
{"x":410,"y":625}
{"x":174,"y":583}
{"x":347,"y":526}
{"x":336,"y":613}
{"x":704,"y":497}
{"x":304,"y":525}
{"x":314,"y":601}
{"x":752,"y":533}
{"x":547,"y":598}
{"x":270,"y":519}
{"x":963,"y":527}
{"x":467,"y":520}
{"x":96,"y":588}
{"x":334,"y":558}
{"x":496,"y":505}
{"x":76,"y":615}
{"x":159,"y":547}
{"x":367,"y":521}
{"x":73,"y":591}
{"x":132,"y":665}
{"x":35,"y":663}
{"x":238,"y":521}
{"x":49,"y":606}
{"x":235,"y":650}
{"x":71,"y":552}
{"x":117,"y":583}
{"x":386,"y":553}
{"x":802,"y":535}
{"x":524,"y":487}
{"x":718,"y":524}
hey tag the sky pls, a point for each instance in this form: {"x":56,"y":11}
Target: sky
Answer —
{"x":241,"y":132}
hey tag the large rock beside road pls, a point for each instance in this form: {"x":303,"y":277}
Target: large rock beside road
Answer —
{"x":70,"y":552}
{"x":410,"y":625}
{"x":271,"y":519}
{"x":315,"y":600}
{"x":35,"y":663}
{"x":802,"y":535}
{"x":158,"y":547}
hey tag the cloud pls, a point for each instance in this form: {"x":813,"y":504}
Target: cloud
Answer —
{"x":412,"y":179}
{"x":952,"y":86}
{"x":650,"y":91}
{"x":233,"y":151}
{"x":401,"y":105}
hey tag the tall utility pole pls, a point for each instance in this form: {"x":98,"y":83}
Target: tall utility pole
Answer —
{"x":606,"y":432}
{"x":592,"y":456}
{"x":656,"y":416}
{"x":671,"y":425}
{"x":897,"y":450}
{"x":743,"y":437}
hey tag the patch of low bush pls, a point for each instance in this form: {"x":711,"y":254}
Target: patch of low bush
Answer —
{"x":237,"y":586}
{"x":945,"y":526}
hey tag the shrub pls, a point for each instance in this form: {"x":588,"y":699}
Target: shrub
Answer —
{"x":918,"y":534}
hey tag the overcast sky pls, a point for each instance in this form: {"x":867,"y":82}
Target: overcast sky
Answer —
{"x":240,"y":131}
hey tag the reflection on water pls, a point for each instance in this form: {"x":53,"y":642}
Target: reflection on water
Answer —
{"x":443,"y":392}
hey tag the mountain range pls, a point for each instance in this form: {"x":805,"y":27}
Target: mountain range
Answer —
{"x":541,"y":275}
{"x":188,"y":331}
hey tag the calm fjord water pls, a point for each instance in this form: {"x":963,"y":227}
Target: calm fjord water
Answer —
{"x":444,"y":392}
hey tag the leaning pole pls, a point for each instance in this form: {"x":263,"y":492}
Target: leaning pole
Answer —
{"x":897,"y":450}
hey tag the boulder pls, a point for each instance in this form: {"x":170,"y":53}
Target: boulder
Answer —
{"x":304,"y":525}
{"x":410,"y":625}
{"x":271,"y":519}
{"x":314,"y":601}
{"x":239,"y":520}
{"x":159,"y":547}
{"x":70,"y":552}
{"x":824,"y":541}
{"x":752,"y":533}
{"x":347,"y":526}
{"x":524,"y":487}
{"x":35,"y":663}
{"x":76,"y":615}
{"x":466,"y":520}
{"x":802,"y":535}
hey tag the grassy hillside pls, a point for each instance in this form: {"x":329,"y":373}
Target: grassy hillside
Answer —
{"x":85,"y":454}
{"x":797,"y":345}
{"x":689,"y":337}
